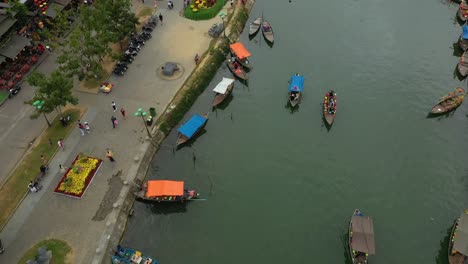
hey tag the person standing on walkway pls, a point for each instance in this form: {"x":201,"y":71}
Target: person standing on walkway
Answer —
{"x":43,"y":159}
{"x":81,"y":127}
{"x":114,"y":106}
{"x":61,"y":144}
{"x":114,"y":121}
{"x":87,"y":128}
{"x":110,"y":155}
{"x":62,"y":169}
{"x":161,"y":18}
{"x":122,"y":111}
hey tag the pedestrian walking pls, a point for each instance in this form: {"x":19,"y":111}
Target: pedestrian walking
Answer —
{"x":122,"y":111}
{"x":81,"y":127}
{"x":110,"y":155}
{"x":48,"y":48}
{"x":62,"y":169}
{"x":43,"y":159}
{"x":232,"y":3}
{"x":1,"y":247}
{"x":61,"y":144}
{"x":114,"y":121}
{"x":86,"y":127}
{"x":161,"y":18}
{"x":114,"y":106}
{"x":50,"y":142}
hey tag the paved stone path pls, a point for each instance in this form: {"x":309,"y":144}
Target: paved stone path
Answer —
{"x":48,"y":215}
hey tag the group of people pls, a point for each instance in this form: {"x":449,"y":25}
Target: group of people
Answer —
{"x":331,"y":102}
{"x":294,"y":96}
{"x":170,"y":4}
{"x":234,"y":62}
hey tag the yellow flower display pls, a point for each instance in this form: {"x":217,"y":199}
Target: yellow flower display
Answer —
{"x":74,"y":181}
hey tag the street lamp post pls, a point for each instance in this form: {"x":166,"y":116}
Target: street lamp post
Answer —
{"x":222,"y":15}
{"x":143,"y":114}
{"x":39,"y":104}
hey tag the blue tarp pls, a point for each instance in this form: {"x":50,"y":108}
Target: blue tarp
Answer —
{"x":296,"y":84}
{"x":192,"y":125}
{"x":465,"y":32}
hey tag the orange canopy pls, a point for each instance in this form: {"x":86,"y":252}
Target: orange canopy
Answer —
{"x":240,"y":51}
{"x":164,"y":188}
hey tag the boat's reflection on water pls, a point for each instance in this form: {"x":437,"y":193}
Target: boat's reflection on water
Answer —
{"x":165,"y":208}
{"x":344,"y":241}
{"x":442,"y":256}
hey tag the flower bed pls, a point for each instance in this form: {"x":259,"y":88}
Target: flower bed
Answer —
{"x":195,"y":12}
{"x":78,"y":177}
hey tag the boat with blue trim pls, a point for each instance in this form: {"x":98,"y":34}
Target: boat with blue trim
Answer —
{"x":295,"y":89}
{"x":190,"y":128}
{"x":131,"y":256}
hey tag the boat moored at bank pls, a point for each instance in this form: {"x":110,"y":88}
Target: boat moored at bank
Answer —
{"x":255,"y":26}
{"x":222,"y":90}
{"x":131,"y":256}
{"x":463,"y":41}
{"x":361,"y":237}
{"x":190,"y":128}
{"x":458,"y":243}
{"x":241,"y":55}
{"x":165,"y":191}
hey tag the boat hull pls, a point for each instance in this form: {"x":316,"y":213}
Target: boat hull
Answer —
{"x":188,"y":196}
{"x":329,"y":118}
{"x":181,"y":139}
{"x":449,"y":102}
{"x":456,"y":258}
{"x":239,"y":73}
{"x":255,"y":26}
{"x":463,"y":43}
{"x":219,"y":98}
{"x":362,"y":258}
{"x":268,"y":34}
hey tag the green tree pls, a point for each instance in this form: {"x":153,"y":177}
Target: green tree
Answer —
{"x":55,"y":91}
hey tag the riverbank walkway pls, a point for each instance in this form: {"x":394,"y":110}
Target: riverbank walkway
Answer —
{"x":81,"y":222}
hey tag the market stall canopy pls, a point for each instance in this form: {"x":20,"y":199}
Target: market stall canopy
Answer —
{"x":461,"y":239}
{"x":363,"y":234}
{"x":223,"y":85}
{"x":164,"y":188}
{"x":14,"y":46}
{"x":6,"y":23}
{"x":240,"y":51}
{"x":296,"y":84}
{"x":191,"y":127}
{"x":54,"y":9}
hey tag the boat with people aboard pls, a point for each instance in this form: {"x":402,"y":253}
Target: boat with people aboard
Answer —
{"x":463,"y":11}
{"x":267,"y":31}
{"x":361,"y":237}
{"x":255,"y":26}
{"x":222,"y":90}
{"x":449,"y":102}
{"x":458,"y":242}
{"x":236,"y":68}
{"x":241,"y":55}
{"x":329,"y":107}
{"x":463,"y":41}
{"x":190,"y":128}
{"x":165,"y":191}
{"x":295,"y":89}
{"x":131,"y":256}
{"x":463,"y":64}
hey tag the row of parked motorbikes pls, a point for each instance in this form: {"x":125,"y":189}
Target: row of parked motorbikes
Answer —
{"x":137,"y":41}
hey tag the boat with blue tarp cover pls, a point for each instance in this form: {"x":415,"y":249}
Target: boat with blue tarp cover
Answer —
{"x":131,"y":256}
{"x":463,"y":42}
{"x":296,"y":87}
{"x":191,"y":128}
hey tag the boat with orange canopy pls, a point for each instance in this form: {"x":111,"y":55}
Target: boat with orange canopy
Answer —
{"x":165,"y":191}
{"x":242,"y":54}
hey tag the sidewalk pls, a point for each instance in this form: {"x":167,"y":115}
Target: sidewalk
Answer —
{"x":48,"y":215}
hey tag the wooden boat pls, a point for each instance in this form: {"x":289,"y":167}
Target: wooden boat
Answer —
{"x":241,"y":54}
{"x":191,"y":128}
{"x":223,"y":90}
{"x":267,"y":31}
{"x":458,"y":242}
{"x":236,"y":70}
{"x":295,"y":89}
{"x":449,"y":102}
{"x":255,"y":26}
{"x":463,"y":41}
{"x":463,"y":11}
{"x":361,"y":237}
{"x":131,"y":256}
{"x":463,"y":64}
{"x":165,"y":191}
{"x":329,"y":107}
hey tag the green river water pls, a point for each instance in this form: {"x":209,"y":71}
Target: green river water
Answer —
{"x":280,"y":187}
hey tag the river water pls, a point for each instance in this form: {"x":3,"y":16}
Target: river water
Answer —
{"x":280,"y":187}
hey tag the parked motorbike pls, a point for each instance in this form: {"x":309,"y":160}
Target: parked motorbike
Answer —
{"x":14,"y":91}
{"x":131,"y":52}
{"x":121,"y":64}
{"x":119,"y":71}
{"x":34,"y":186}
{"x":147,"y":28}
{"x":128,"y":58}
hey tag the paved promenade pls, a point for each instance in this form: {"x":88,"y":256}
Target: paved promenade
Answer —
{"x":81,"y":222}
